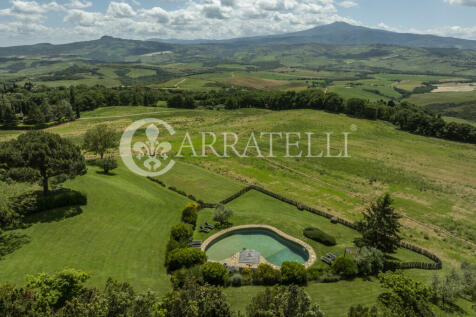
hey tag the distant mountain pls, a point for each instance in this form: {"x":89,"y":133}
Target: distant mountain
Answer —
{"x":110,"y":49}
{"x":340,"y":33}
{"x":107,"y":49}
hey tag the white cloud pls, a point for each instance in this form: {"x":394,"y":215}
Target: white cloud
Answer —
{"x":156,"y":14}
{"x":471,"y":3}
{"x":191,"y":19}
{"x":78,"y":4}
{"x":84,"y":18}
{"x":120,"y":10}
{"x":348,"y":4}
{"x":29,"y":10}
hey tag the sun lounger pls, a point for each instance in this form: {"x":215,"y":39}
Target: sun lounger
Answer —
{"x":326,"y":260}
{"x":204,"y":229}
{"x":332,"y":256}
{"x":209,"y":226}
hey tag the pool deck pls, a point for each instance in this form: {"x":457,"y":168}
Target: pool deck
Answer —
{"x":309,"y":249}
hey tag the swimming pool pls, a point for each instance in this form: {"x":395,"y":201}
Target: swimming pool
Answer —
{"x":272,"y":246}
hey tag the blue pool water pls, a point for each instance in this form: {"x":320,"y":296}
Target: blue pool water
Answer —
{"x":274,"y":248}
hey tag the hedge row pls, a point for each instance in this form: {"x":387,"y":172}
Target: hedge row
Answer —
{"x":238,"y":194}
{"x":420,"y":265}
{"x":181,"y":192}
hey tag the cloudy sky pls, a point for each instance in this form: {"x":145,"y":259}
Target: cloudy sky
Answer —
{"x":61,"y":21}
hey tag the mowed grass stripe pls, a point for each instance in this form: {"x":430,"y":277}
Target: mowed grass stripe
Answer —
{"x":121,"y":233}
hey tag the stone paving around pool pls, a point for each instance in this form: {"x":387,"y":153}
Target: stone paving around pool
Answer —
{"x":233,"y":261}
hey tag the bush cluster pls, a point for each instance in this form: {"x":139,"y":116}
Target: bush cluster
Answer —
{"x":185,"y":257}
{"x":190,"y":213}
{"x":181,"y":232}
{"x":214,"y":273}
{"x":178,"y":253}
{"x":345,"y":267}
{"x":266,"y":275}
{"x":293,"y":273}
{"x":319,"y":236}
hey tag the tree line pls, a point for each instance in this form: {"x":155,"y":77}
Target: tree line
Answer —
{"x":39,"y":105}
{"x":406,"y":116}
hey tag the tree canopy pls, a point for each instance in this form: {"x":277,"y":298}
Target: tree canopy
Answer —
{"x":47,"y":153}
{"x":380,"y":227}
{"x":100,"y":139}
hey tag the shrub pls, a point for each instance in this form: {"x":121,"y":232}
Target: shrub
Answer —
{"x":107,"y":164}
{"x":361,"y":311}
{"x":266,"y":275}
{"x":345,"y":267}
{"x":60,"y":198}
{"x":214,"y":273}
{"x":329,"y":277}
{"x":289,"y":301}
{"x":314,"y":273}
{"x":55,"y":290}
{"x":186,"y":257}
{"x":370,"y":261}
{"x":181,"y":232}
{"x":190,"y":213}
{"x":236,"y":280}
{"x":320,"y":236}
{"x":180,"y":276}
{"x":174,"y":244}
{"x":293,"y":273}
{"x":247,"y":275}
{"x":222,"y":214}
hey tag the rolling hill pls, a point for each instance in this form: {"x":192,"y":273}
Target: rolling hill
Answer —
{"x":341,"y":33}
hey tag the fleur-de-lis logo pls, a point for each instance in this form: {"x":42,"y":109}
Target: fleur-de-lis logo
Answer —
{"x":152,"y":149}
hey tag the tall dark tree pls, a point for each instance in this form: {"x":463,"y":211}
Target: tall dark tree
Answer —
{"x":380,"y":227}
{"x":47,"y":153}
{"x":72,"y":101}
{"x":7,"y":114}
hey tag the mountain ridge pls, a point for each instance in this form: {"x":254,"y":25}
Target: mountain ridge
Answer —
{"x":111,"y":49}
{"x":341,"y":33}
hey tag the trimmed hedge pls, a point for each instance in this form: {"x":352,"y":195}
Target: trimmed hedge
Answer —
{"x":319,"y":236}
{"x":60,"y":198}
{"x":187,"y":257}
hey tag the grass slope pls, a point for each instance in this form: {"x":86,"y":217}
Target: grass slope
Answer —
{"x":121,"y":233}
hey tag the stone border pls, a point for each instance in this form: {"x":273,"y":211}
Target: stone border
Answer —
{"x":309,"y":249}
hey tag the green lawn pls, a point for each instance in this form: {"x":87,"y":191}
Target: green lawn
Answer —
{"x":123,"y":230}
{"x":257,"y":208}
{"x":204,"y":185}
{"x":121,"y":233}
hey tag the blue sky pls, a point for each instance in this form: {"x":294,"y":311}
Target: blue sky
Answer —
{"x":60,"y":21}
